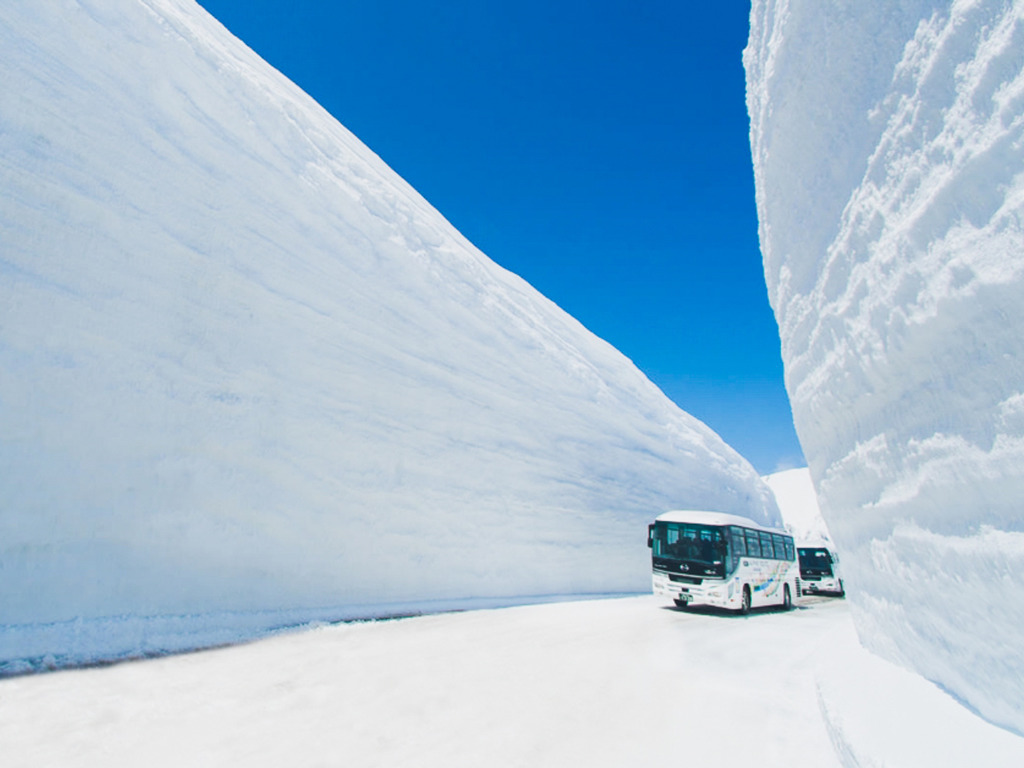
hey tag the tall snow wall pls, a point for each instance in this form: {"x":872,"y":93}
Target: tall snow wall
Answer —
{"x":248,"y":376}
{"x":888,"y":149}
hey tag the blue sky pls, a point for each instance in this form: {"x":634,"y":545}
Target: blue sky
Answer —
{"x":598,"y":149}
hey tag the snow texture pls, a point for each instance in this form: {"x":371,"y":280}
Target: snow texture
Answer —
{"x":249,"y":377}
{"x":888,"y":147}
{"x":798,"y":505}
{"x":598,"y":683}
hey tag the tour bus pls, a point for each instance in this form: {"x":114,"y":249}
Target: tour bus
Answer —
{"x":819,"y":571}
{"x":721,"y":560}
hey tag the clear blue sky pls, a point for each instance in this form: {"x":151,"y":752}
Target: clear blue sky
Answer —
{"x":599,"y":149}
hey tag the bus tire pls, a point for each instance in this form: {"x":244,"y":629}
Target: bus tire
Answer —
{"x":745,"y":601}
{"x":842,"y":590}
{"x":787,"y":598}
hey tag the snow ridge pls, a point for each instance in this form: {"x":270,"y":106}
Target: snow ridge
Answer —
{"x":245,"y":368}
{"x":888,"y":144}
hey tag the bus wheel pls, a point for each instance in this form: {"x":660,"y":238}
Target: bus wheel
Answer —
{"x":787,"y":598}
{"x":842,"y":591}
{"x":745,"y":602}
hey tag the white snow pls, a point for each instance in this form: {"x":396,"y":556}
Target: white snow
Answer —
{"x":888,"y":147}
{"x":622,"y":682}
{"x":798,"y":505}
{"x":249,"y":377}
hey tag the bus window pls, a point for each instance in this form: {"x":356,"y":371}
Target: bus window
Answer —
{"x":691,"y":543}
{"x":736,"y":546}
{"x":666,"y":540}
{"x":815,"y":561}
{"x":753,"y":544}
{"x":766,"y":545}
{"x":780,"y":546}
{"x":790,"y":552}
{"x":710,"y":547}
{"x":739,"y":546}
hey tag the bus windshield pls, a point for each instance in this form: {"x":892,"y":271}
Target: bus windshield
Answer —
{"x":701,"y":549}
{"x":814,"y":561}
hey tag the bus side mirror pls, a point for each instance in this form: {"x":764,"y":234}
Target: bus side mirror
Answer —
{"x":650,"y":535}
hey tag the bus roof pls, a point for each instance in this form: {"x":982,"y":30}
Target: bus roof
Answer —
{"x":701,"y":517}
{"x":815,"y":545}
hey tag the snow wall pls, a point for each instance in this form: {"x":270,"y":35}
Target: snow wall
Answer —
{"x":798,"y":505}
{"x":248,"y":376}
{"x":888,"y":149}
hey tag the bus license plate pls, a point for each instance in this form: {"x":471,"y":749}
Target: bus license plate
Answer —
{"x":683,"y":597}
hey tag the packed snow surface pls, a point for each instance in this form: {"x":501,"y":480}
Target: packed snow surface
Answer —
{"x":624,"y":682}
{"x":888,"y":147}
{"x":249,"y":377}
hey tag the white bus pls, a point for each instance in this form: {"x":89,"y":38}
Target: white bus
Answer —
{"x":727,"y":561}
{"x":819,"y":571}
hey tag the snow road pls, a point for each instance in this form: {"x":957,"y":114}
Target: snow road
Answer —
{"x":616,"y":682}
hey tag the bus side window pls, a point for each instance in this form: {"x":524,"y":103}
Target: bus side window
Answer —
{"x":766,"y":546}
{"x":790,"y":554}
{"x":780,"y":547}
{"x":737,"y":547}
{"x":709,"y":550}
{"x":738,"y":542}
{"x":753,"y":544}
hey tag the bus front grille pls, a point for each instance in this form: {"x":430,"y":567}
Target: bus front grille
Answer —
{"x":684,"y":579}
